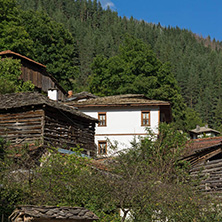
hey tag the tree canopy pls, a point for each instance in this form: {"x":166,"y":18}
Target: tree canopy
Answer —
{"x":136,"y":69}
{"x":195,"y":61}
{"x":10,"y":82}
{"x":69,"y":34}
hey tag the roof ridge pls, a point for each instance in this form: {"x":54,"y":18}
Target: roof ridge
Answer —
{"x":25,"y":99}
{"x":22,"y":56}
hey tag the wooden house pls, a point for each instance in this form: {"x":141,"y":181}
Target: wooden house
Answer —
{"x":205,"y":157}
{"x":123,"y":118}
{"x":33,"y":118}
{"x":36,"y":73}
{"x":51,"y":214}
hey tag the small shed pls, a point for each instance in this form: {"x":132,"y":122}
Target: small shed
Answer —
{"x":36,"y":73}
{"x":51,"y":214}
{"x":205,"y":131}
{"x":202,"y":150}
{"x":205,"y":157}
{"x":33,"y":118}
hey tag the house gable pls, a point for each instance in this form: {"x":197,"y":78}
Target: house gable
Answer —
{"x":36,"y":73}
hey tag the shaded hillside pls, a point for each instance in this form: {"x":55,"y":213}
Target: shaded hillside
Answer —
{"x":196,"y":67}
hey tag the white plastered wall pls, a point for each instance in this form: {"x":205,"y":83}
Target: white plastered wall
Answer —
{"x":123,"y":125}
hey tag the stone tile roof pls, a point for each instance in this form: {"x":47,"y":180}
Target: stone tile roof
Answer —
{"x":82,"y":95}
{"x":28,"y":213}
{"x":120,"y":100}
{"x":198,"y":145}
{"x":17,"y":100}
{"x":204,"y":129}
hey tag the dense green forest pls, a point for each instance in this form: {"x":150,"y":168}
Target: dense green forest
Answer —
{"x":67,"y":35}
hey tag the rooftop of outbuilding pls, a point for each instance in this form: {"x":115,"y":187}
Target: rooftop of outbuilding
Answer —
{"x":9,"y":52}
{"x":203,"y":129}
{"x":17,"y":100}
{"x":21,"y":213}
{"x":199,"y":145}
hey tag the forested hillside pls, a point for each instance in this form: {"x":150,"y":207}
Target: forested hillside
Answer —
{"x":66,"y":35}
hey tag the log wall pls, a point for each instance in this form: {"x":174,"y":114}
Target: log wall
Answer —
{"x":69,"y":131}
{"x":22,"y":126}
{"x":48,"y":126}
{"x":210,"y":174}
{"x":38,"y":77}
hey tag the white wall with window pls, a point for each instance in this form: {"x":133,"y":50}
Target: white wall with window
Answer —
{"x":123,"y":125}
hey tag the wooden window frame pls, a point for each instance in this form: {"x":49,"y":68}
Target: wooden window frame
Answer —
{"x":99,"y":147}
{"x":102,"y":113}
{"x":142,"y":112}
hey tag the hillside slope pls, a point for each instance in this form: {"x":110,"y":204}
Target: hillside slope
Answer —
{"x":196,"y":62}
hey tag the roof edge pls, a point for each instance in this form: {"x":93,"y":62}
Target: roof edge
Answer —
{"x":9,"y":52}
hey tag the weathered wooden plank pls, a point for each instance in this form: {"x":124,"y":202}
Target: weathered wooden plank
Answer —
{"x":67,"y":118}
{"x":21,"y":124}
{"x":19,"y":133}
{"x":27,"y":121}
{"x":208,"y":163}
{"x":15,"y":141}
{"x":9,"y":116}
{"x":21,"y":128}
{"x":23,"y":116}
{"x":211,"y":169}
{"x":23,"y":113}
{"x":39,"y":80}
{"x":207,"y":166}
{"x":35,"y":78}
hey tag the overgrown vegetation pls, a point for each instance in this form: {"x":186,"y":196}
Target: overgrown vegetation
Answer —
{"x":10,"y":82}
{"x":148,"y":180}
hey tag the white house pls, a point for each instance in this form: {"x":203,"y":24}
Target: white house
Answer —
{"x":201,"y":132}
{"x":123,"y":118}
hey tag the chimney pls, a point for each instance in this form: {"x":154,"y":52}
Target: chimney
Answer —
{"x":197,"y":127}
{"x":70,"y":93}
{"x":53,"y":94}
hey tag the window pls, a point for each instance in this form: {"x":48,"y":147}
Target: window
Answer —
{"x":102,"y":147}
{"x":102,"y":119}
{"x":145,"y":118}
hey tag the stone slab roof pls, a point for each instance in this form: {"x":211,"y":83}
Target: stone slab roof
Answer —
{"x":198,"y":145}
{"x":29,"y":213}
{"x":17,"y":100}
{"x":120,"y":100}
{"x":204,"y":129}
{"x":81,"y":95}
